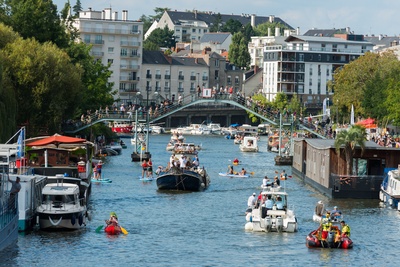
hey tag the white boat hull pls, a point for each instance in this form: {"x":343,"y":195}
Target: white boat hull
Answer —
{"x":275,"y":221}
{"x":72,"y":220}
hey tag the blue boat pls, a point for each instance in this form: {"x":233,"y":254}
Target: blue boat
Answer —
{"x":183,"y":180}
{"x":390,"y":188}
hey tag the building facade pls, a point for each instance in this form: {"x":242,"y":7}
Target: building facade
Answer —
{"x":303,"y":65}
{"x":117,"y":42}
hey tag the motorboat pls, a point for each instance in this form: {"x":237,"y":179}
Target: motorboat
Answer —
{"x":273,"y":143}
{"x":183,"y":180}
{"x":279,"y":218}
{"x":156,"y":129}
{"x":186,"y":149}
{"x":249,"y":144}
{"x":138,"y":137}
{"x":329,"y":239}
{"x":390,"y":189}
{"x":175,"y":139}
{"x":199,"y":129}
{"x":61,"y":207}
{"x":8,"y":210}
{"x":124,"y":127}
{"x":215,"y":128}
{"x":113,"y":149}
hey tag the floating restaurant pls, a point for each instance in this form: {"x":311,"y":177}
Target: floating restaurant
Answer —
{"x":316,"y":162}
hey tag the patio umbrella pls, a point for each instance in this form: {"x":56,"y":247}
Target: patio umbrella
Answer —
{"x":56,"y":140}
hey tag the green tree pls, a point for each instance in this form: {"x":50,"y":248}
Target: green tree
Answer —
{"x":216,"y":24}
{"x":238,"y":51}
{"x":262,"y":29}
{"x":161,"y":38}
{"x":348,"y":141}
{"x":148,"y":20}
{"x":294,"y":105}
{"x":95,"y":89}
{"x":281,"y":101}
{"x":77,"y":8}
{"x":248,"y":32}
{"x":36,"y":19}
{"x":232,"y":26}
{"x":46,"y":84}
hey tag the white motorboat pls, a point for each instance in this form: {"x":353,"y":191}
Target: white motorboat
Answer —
{"x":140,"y":137}
{"x":390,"y":189}
{"x":61,"y":207}
{"x":186,"y":148}
{"x":279,"y":218}
{"x":156,"y":129}
{"x":215,"y":128}
{"x":175,"y":139}
{"x":199,"y":129}
{"x":249,"y":144}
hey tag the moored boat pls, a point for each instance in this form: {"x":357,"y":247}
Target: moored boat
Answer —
{"x":186,"y":149}
{"x":233,"y":175}
{"x":8,"y":211}
{"x":61,"y":207}
{"x":121,"y":127}
{"x":390,"y":189}
{"x":279,"y":218}
{"x":183,"y":180}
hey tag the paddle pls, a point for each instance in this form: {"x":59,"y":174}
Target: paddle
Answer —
{"x":123,"y":230}
{"x":98,"y":229}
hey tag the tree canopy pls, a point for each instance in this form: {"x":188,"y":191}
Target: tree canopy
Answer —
{"x":369,"y":83}
{"x":238,"y":51}
{"x":159,"y":38}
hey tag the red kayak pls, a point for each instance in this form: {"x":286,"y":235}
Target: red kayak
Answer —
{"x":112,"y":230}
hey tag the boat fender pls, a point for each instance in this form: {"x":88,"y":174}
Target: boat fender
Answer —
{"x":381,"y":196}
{"x":251,"y":218}
{"x":80,"y":219}
{"x":390,"y":201}
{"x":73,"y":219}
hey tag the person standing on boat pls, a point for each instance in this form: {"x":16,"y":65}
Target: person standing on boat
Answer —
{"x":277,"y":182}
{"x":144,"y":167}
{"x":196,"y":162}
{"x":319,"y":208}
{"x":266,"y":182}
{"x":345,"y":229}
{"x":251,"y":202}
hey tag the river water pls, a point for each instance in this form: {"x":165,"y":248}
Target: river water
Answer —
{"x":205,"y":228}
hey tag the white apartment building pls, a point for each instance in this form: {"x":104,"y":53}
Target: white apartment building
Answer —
{"x":117,"y":42}
{"x":304,"y":65}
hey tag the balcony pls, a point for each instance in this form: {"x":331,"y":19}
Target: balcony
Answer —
{"x":167,"y":89}
{"x":157,"y":89}
{"x":128,"y":43}
{"x":158,"y":76}
{"x":205,"y":78}
{"x":129,"y":67}
{"x":94,"y":42}
{"x":110,"y":31}
{"x":192,"y":90}
{"x":148,"y":76}
{"x":181,"y":77}
{"x":128,"y":78}
{"x":136,"y":55}
{"x":148,"y":88}
{"x":97,"y":54}
{"x":181,"y":89}
{"x":192,"y":78}
{"x":167,"y":77}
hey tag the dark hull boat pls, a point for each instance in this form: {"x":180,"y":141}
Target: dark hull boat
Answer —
{"x":183,"y":180}
{"x":333,"y":239}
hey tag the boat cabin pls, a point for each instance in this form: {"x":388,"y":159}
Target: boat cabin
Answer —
{"x":57,"y":195}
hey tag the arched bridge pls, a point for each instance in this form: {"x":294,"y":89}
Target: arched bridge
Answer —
{"x":265,"y":115}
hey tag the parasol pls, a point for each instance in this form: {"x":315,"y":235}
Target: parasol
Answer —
{"x":56,"y":140}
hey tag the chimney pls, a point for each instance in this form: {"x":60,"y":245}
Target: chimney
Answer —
{"x":277,"y":32}
{"x":115,"y":15}
{"x":271,"y":18}
{"x":195,"y":14}
{"x":107,"y":13}
{"x":90,"y":9}
{"x":298,"y":31}
{"x":253,"y":20}
{"x":269,"y":31}
{"x":125,"y":15}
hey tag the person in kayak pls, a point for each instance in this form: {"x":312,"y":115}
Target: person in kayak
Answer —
{"x":113,"y":221}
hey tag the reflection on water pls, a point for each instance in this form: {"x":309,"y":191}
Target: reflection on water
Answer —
{"x":205,"y":228}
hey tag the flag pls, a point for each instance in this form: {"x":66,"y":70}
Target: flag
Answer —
{"x":20,"y":142}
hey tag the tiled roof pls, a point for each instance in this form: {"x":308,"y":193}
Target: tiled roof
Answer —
{"x":325,"y":32}
{"x":210,"y":17}
{"x":214,"y":37}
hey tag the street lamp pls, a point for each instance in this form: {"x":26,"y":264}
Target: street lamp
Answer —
{"x":198,"y":79}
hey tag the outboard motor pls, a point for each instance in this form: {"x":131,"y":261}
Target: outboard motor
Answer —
{"x":331,"y":238}
{"x":267,"y":224}
{"x":279,"y":224}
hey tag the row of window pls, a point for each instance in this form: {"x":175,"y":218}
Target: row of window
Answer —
{"x":194,"y":30}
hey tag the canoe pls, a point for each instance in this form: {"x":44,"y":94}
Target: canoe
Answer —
{"x":233,"y":175}
{"x":106,"y":181}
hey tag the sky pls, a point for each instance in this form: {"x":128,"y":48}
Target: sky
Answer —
{"x":362,"y":16}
